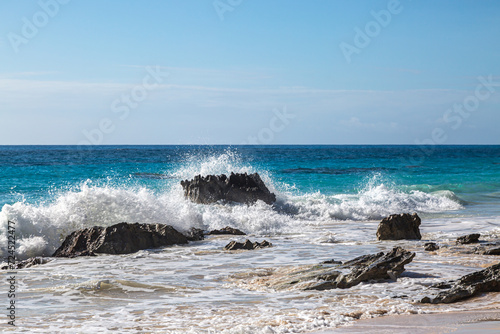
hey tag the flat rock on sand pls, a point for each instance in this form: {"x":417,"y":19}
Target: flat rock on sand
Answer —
{"x":380,"y":266}
{"x":486,"y":280}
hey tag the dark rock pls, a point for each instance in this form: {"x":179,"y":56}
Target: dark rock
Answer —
{"x":332,"y":261}
{"x":227,"y":230}
{"x":194,"y":234}
{"x":442,"y":285}
{"x":487,"y":280}
{"x":492,"y":251}
{"x":241,"y":188}
{"x":34,"y":261}
{"x":488,"y":249}
{"x":399,"y":296}
{"x":121,"y":238}
{"x":376,"y":266}
{"x":380,"y":266}
{"x":397,"y":227}
{"x":234,"y":245}
{"x":430,"y":246}
{"x":82,"y":253}
{"x":468,"y":239}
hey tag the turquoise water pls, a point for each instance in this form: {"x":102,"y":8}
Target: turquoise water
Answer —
{"x":329,"y":202}
{"x":470,"y":170}
{"x":52,"y":190}
{"x":36,"y":173}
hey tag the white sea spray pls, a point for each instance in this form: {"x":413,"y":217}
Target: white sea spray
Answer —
{"x":42,"y":227}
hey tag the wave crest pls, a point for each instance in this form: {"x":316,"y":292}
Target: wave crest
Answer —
{"x":40,"y":228}
{"x":373,"y":202}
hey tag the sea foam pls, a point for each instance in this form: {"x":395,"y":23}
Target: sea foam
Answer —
{"x":41,"y":228}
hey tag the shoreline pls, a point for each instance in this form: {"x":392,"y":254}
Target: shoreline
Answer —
{"x":464,"y":322}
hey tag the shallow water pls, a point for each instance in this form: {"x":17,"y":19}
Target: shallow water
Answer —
{"x":330,"y":200}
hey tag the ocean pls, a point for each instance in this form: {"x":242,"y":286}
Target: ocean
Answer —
{"x":330,"y":200}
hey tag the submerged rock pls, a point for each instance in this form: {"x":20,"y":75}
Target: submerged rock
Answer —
{"x":241,"y":188}
{"x":488,"y":249}
{"x":34,"y":261}
{"x":121,"y":238}
{"x":227,"y":230}
{"x":487,"y":280}
{"x":332,"y":261}
{"x":468,"y":239}
{"x":492,"y":251}
{"x":234,"y":245}
{"x":380,"y":266}
{"x":430,"y":246}
{"x":397,"y":227}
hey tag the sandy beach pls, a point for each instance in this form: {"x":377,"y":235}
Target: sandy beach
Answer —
{"x":484,"y":321}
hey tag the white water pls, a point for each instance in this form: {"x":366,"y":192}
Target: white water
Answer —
{"x":41,"y":228}
{"x":200,"y":288}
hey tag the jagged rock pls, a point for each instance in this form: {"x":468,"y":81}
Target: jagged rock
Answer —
{"x":227,"y":230}
{"x":234,"y":245}
{"x":121,"y":238}
{"x":378,"y":266}
{"x":194,"y":234}
{"x":34,"y":261}
{"x":430,"y":246}
{"x":468,"y":239}
{"x":487,"y":280}
{"x":241,"y":188}
{"x":397,"y":227}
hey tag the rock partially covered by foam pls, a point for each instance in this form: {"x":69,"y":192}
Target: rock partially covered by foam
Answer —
{"x":492,"y":248}
{"x":332,"y":275}
{"x":194,"y":234}
{"x":123,"y":238}
{"x":431,"y":246}
{"x":34,"y":261}
{"x":397,"y":227}
{"x":247,"y":245}
{"x":241,"y":188}
{"x":227,"y":231}
{"x":487,"y":280}
{"x":468,"y":239}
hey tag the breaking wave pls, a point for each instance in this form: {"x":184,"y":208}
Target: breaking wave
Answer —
{"x":40,"y":228}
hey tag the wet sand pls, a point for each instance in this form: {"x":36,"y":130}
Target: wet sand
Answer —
{"x":468,"y":322}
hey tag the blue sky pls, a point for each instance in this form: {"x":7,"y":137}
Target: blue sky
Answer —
{"x":249,"y":71}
